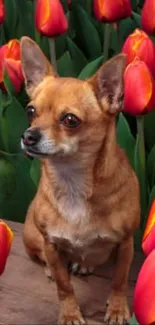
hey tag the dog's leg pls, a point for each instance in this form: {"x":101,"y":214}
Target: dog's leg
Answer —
{"x":118,"y":310}
{"x":69,"y":310}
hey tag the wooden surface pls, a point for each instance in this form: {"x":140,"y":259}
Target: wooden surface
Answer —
{"x":28,"y":297}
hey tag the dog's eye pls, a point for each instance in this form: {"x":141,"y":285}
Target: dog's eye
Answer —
{"x":31,"y":113}
{"x":70,"y":120}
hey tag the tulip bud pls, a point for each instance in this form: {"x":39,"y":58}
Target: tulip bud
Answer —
{"x":2,"y":11}
{"x":6,"y":237}
{"x":148,"y":242}
{"x":112,"y":10}
{"x":10,"y":61}
{"x":148,"y":16}
{"x":139,"y":88}
{"x":138,"y":44}
{"x":50,"y":18}
{"x":144,"y":295}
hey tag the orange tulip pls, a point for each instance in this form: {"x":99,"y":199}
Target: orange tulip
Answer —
{"x":6,"y":237}
{"x":138,"y":44}
{"x":148,"y":16}
{"x":148,"y":242}
{"x":50,"y":18}
{"x":144,"y":295}
{"x":112,"y":10}
{"x":10,"y":61}
{"x":139,"y":88}
{"x":2,"y":11}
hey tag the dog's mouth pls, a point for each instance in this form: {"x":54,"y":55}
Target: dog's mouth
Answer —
{"x":31,"y":151}
{"x":34,"y":153}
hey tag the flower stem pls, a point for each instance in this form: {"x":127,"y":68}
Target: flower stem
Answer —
{"x":142,"y":165}
{"x":52,"y":52}
{"x":107,"y":34}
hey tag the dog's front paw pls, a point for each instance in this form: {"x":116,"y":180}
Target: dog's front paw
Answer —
{"x":74,"y":318}
{"x":117,"y":312}
{"x":78,"y":269}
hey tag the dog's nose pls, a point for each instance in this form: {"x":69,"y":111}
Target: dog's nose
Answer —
{"x":31,"y":137}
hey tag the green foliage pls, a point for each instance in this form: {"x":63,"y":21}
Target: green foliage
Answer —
{"x":125,"y":138}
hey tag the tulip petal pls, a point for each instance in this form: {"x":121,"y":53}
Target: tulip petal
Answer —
{"x":14,"y":71}
{"x":6,"y":237}
{"x":10,"y":60}
{"x":111,"y":11}
{"x":50,"y":18}
{"x":148,"y":16}
{"x":148,"y":241}
{"x":2,"y":11}
{"x":13,"y":50}
{"x":138,"y":44}
{"x":139,"y":88}
{"x":144,"y":295}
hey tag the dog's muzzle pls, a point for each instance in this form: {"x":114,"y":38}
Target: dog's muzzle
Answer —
{"x":31,"y":137}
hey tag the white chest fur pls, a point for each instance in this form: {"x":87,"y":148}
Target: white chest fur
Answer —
{"x":71,"y":193}
{"x":76,"y":232}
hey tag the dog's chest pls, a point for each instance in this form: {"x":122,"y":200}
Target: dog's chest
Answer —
{"x":82,"y":242}
{"x":76,"y":233}
{"x":71,"y":193}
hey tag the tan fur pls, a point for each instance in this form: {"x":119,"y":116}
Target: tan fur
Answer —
{"x":87,"y":203}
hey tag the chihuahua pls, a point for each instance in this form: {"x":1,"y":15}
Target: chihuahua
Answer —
{"x":87,"y":203}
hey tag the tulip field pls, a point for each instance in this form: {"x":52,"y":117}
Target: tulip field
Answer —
{"x":77,"y":36}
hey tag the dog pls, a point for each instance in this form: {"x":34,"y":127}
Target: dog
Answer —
{"x":87,"y":203}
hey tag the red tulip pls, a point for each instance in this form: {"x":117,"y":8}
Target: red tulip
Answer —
{"x":50,"y":18}
{"x":2,"y":11}
{"x":138,"y":44}
{"x":148,"y":242}
{"x":10,"y":61}
{"x":148,"y":16}
{"x":6,"y":237}
{"x":112,"y":10}
{"x":144,"y":295}
{"x":139,"y":88}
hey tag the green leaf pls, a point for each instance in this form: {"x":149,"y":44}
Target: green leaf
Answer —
{"x":137,"y":18}
{"x":126,"y":27}
{"x":151,"y":198}
{"x":9,"y":84}
{"x":134,"y":4}
{"x":14,"y":122}
{"x":11,"y":16}
{"x":91,"y":68}
{"x":44,"y":45}
{"x":35,"y":171}
{"x":149,"y":123}
{"x":138,"y":235}
{"x":26,"y":19}
{"x":77,"y":56}
{"x":86,"y":33}
{"x":151,"y":167}
{"x":23,"y":191}
{"x":7,"y":179}
{"x":125,"y":138}
{"x":133,"y":320}
{"x":141,"y":174}
{"x":65,"y":66}
{"x":60,"y":44}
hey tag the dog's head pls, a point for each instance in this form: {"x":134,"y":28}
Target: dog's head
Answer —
{"x":68,"y":116}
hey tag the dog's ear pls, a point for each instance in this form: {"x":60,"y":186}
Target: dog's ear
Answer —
{"x":108,"y":84}
{"x":35,"y":66}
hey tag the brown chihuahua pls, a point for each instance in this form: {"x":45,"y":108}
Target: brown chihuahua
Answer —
{"x":87,"y":203}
